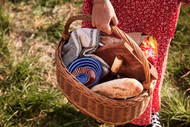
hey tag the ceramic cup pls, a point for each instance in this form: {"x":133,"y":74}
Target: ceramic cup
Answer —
{"x":83,"y":74}
{"x":89,"y":63}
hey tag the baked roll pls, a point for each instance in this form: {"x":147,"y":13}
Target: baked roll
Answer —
{"x":119,"y":88}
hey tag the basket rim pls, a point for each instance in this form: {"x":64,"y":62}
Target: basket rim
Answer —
{"x":139,"y":103}
{"x":124,"y":37}
{"x":113,"y":102}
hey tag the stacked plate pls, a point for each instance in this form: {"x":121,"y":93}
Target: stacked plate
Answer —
{"x":87,"y":70}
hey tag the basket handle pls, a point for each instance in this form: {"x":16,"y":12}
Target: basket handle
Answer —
{"x":127,"y":39}
{"x":122,"y":35}
{"x":66,"y":32}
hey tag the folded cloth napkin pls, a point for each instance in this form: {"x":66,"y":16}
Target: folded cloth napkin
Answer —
{"x":83,"y":42}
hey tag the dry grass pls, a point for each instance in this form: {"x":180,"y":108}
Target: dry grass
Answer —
{"x":25,"y":22}
{"x":29,"y":95}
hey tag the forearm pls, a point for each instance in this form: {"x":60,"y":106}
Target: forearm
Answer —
{"x":101,"y":2}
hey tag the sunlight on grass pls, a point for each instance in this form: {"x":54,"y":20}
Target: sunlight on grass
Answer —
{"x":179,"y":55}
{"x":26,"y":98}
{"x":4,"y":27}
{"x":29,"y":98}
{"x":4,"y":21}
{"x":175,"y":109}
{"x":175,"y":106}
{"x":53,"y":32}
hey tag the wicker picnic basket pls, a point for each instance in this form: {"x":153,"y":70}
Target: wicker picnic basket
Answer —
{"x":105,"y":110}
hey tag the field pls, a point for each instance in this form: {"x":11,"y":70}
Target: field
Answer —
{"x":29,"y":95}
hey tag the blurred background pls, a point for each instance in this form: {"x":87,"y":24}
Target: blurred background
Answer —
{"x":29,"y":95}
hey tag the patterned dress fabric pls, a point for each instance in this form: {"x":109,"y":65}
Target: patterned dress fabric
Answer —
{"x":152,"y":17}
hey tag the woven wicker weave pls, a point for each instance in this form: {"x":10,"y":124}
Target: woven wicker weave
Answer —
{"x":105,"y":110}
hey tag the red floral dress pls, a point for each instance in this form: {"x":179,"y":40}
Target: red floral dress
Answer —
{"x":152,"y":17}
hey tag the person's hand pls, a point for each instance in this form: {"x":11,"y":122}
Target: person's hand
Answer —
{"x":186,"y":2}
{"x":102,"y":15}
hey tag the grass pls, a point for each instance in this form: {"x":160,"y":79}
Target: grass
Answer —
{"x":53,"y":32}
{"x":179,"y":55}
{"x":26,"y":97}
{"x":17,"y":85}
{"x":4,"y":28}
{"x":175,"y":109}
{"x":175,"y":92}
{"x":29,"y":95}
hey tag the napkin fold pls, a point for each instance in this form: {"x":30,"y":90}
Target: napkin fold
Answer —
{"x":83,"y":42}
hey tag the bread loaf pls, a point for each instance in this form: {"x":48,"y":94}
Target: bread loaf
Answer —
{"x":119,"y":88}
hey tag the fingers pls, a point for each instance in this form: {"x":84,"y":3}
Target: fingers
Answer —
{"x":105,"y":27}
{"x":93,"y":23}
{"x":115,"y":21}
